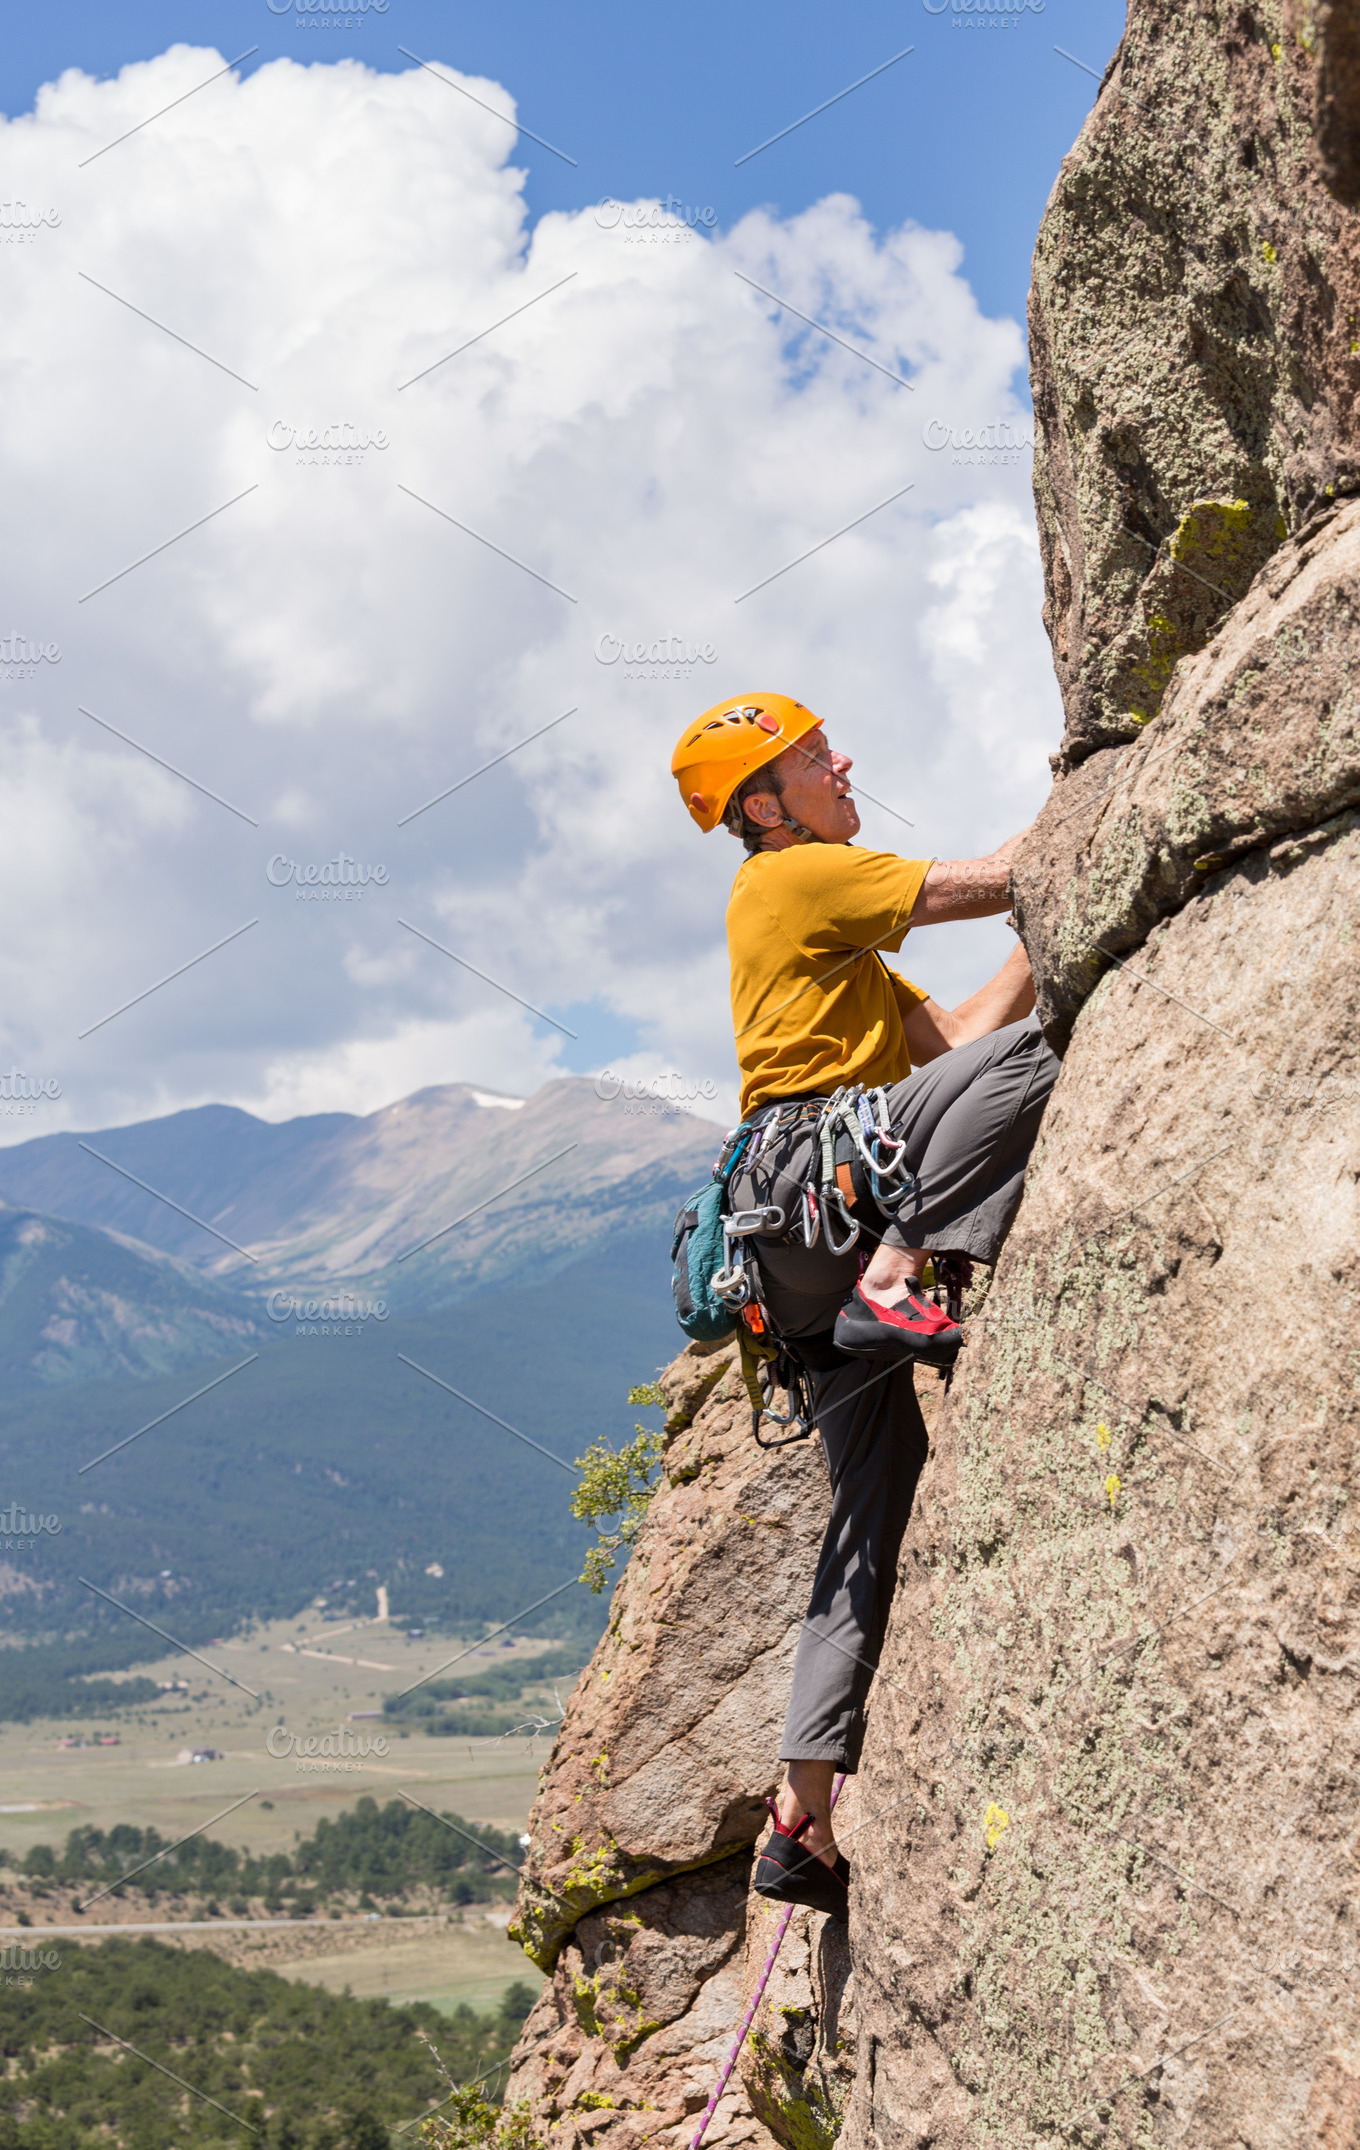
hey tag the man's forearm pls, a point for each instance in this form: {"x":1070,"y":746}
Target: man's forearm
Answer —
{"x":1007,"y":998}
{"x":965,"y":888}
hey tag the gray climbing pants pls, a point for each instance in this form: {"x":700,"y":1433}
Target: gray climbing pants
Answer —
{"x":969,"y":1120}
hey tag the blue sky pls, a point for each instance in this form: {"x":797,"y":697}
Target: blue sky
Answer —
{"x":593,"y":436}
{"x":965,"y":134}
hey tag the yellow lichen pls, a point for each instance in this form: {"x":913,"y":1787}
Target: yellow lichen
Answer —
{"x":1113,"y":1490}
{"x":1268,"y":252}
{"x":995,"y":1822}
{"x":1103,"y":1436}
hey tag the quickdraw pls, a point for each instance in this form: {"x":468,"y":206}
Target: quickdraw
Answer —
{"x":862,"y":1116}
{"x":783,"y":1371}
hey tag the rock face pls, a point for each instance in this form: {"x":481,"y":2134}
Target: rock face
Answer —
{"x":1259,"y":735}
{"x":1111,"y":1791}
{"x":627,"y":2041}
{"x":798,"y":2062}
{"x":671,"y":1737}
{"x":1116,"y":1743}
{"x":1193,"y":338}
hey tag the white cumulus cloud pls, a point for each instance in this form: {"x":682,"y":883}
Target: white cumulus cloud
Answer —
{"x":459,"y":563}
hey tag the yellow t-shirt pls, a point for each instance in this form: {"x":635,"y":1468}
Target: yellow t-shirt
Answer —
{"x":813,"y":1005}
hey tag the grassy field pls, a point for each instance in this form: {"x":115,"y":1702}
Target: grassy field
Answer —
{"x":309,"y":1677}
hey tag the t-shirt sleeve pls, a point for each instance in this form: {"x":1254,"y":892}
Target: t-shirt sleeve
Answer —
{"x":907,"y":995}
{"x":847,"y":898}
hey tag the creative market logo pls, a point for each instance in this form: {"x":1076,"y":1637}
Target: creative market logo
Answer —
{"x":665,"y":657}
{"x":667,"y":223}
{"x":344,"y":1314}
{"x":328,"y":14}
{"x":340,"y":1749}
{"x":20,"y":225}
{"x":656,"y":1096}
{"x":20,"y":658}
{"x":340,"y":880}
{"x":327,"y":447}
{"x":20,"y":1531}
{"x":1323,"y":1095}
{"x":995,"y":446}
{"x":21,"y":1094}
{"x":18,"y":1962}
{"x":985,"y":14}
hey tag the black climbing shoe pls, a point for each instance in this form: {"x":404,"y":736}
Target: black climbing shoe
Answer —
{"x":912,"y":1328}
{"x":786,"y":1874}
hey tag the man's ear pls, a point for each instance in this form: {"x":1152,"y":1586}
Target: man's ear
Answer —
{"x":763,"y":808}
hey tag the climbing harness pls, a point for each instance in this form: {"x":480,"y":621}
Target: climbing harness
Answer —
{"x":860,"y":1118}
{"x":716,"y":1284}
{"x":750,"y":2016}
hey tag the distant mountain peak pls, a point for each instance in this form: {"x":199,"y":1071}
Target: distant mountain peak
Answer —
{"x":452,"y":1191}
{"x":444,"y":1093}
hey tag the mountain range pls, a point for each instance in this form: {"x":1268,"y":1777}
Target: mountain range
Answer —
{"x":160,"y":1311}
{"x":443,"y":1194}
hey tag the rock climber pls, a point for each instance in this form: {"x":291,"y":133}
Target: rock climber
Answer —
{"x":818,"y":1012}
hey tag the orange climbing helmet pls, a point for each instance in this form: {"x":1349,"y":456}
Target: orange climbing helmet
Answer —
{"x":729,"y":742}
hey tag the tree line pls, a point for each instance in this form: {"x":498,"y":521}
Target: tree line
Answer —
{"x":372,"y":1853}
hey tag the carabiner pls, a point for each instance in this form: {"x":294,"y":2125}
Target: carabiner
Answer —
{"x":882,"y":1139}
{"x":804,"y":1429}
{"x":832,"y":1195}
{"x":799,"y":1414}
{"x":731,"y":1285}
{"x":811,"y":1216}
{"x":749,"y":1223}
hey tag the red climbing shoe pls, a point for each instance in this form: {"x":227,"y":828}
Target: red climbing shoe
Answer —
{"x":786,"y":1874}
{"x":913,"y":1328}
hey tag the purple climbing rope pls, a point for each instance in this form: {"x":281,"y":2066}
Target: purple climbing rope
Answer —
{"x":749,"y":2018}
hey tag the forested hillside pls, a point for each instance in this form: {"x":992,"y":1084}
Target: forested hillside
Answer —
{"x":147,"y":2047}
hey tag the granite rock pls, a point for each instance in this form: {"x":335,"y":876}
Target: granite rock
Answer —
{"x":1116,"y":1742}
{"x":670,"y":1740}
{"x":798,"y":2062}
{"x":628,"y":2038}
{"x":1194,"y":349}
{"x":1259,"y":736}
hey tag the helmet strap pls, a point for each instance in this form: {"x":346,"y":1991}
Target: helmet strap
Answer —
{"x":799,"y":833}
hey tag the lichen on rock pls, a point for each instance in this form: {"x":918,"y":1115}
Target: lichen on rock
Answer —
{"x":1193,"y":377}
{"x":799,"y":2058}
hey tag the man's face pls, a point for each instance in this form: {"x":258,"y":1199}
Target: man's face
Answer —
{"x":816,"y":791}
